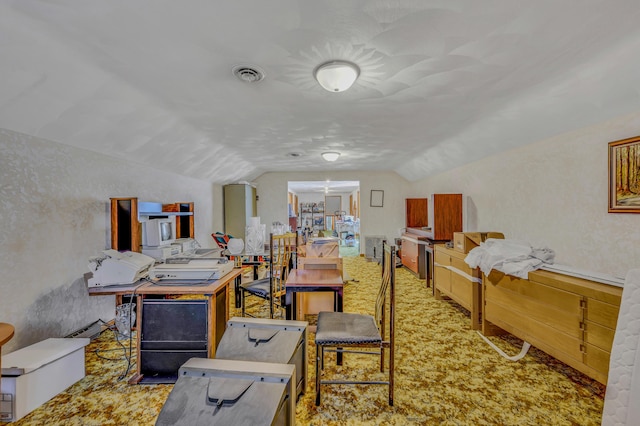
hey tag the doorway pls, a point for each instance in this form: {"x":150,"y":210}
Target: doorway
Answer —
{"x":327,"y":209}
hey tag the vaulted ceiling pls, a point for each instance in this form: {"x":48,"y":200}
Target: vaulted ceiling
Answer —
{"x":442,"y":83}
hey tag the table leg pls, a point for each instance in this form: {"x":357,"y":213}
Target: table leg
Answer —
{"x":337,"y":306}
{"x":236,"y":287}
{"x":291,"y":307}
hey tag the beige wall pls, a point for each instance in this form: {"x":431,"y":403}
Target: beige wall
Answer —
{"x":54,"y":207}
{"x":552,"y":193}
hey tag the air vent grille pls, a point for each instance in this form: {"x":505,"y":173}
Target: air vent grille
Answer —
{"x":248,"y":73}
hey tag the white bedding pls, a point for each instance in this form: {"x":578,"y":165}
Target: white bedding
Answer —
{"x":512,"y":257}
{"x":621,"y":402}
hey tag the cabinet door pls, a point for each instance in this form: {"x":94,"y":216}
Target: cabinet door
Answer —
{"x":416,"y":212}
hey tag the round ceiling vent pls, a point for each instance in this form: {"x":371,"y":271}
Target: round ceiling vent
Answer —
{"x":248,"y":73}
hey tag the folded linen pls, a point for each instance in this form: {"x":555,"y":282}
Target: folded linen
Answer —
{"x":512,"y":257}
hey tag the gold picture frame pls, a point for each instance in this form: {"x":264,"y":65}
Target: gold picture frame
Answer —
{"x":624,"y":176}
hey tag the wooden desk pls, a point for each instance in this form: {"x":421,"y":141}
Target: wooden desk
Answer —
{"x":6,"y":333}
{"x":312,"y":280}
{"x":216,"y":294}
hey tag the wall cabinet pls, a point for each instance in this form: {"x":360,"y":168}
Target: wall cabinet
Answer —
{"x":571,"y":319}
{"x":455,"y":279}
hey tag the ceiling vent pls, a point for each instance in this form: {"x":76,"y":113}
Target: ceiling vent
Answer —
{"x":248,"y":73}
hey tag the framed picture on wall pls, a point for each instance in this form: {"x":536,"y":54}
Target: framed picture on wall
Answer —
{"x":624,"y":176}
{"x":377,"y":198}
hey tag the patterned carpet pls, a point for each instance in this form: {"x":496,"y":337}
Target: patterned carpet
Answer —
{"x":445,"y":375}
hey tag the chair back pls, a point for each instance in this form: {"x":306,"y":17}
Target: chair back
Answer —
{"x":388,"y":285}
{"x":282,"y":249}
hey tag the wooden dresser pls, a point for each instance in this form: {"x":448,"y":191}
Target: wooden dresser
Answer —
{"x":455,"y":279}
{"x":413,"y":253}
{"x":571,"y":319}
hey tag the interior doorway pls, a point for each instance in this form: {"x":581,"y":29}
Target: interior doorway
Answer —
{"x":327,"y":209}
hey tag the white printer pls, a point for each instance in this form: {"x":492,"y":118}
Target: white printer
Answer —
{"x":118,"y":268}
{"x":191,"y":269}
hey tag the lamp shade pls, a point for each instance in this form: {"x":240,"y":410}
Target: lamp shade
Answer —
{"x":337,"y":76}
{"x":330,"y":156}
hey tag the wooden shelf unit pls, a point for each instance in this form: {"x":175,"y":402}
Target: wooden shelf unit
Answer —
{"x":184,"y":223}
{"x":126,"y":229}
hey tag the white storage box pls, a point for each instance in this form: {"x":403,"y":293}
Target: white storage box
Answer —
{"x":35,"y":374}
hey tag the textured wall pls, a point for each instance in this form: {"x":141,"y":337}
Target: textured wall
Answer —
{"x":54,"y":205}
{"x":553,"y":193}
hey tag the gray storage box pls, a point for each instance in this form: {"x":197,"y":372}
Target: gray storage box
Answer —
{"x":267,"y":340}
{"x":228,"y":392}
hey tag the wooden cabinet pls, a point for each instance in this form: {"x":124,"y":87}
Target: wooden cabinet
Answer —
{"x":240,"y":205}
{"x":455,"y":279}
{"x":569,"y":318}
{"x":413,"y":254}
{"x":445,"y":216}
{"x":416,"y":212}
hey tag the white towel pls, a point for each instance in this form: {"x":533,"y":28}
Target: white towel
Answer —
{"x":623,"y":386}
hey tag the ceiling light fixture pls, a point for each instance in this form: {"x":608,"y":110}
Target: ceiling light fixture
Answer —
{"x":330,"y":156}
{"x":336,"y":76}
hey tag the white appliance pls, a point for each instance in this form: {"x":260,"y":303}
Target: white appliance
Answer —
{"x":186,"y":244}
{"x":33,"y":375}
{"x":117,"y":268}
{"x":192,"y":269}
{"x":161,"y":252}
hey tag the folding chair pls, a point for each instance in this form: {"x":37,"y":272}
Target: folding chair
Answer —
{"x":339,"y":330}
{"x":272,"y":288}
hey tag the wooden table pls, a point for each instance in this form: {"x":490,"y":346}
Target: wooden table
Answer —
{"x":312,"y":280}
{"x":6,"y":333}
{"x":216,"y":293}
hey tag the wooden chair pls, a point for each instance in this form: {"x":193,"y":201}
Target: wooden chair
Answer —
{"x":272,"y":288}
{"x":339,"y":330}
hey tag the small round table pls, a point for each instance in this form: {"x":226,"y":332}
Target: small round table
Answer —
{"x":6,"y":333}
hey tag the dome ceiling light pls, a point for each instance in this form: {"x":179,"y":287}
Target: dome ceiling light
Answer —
{"x":330,"y":156}
{"x":336,"y":76}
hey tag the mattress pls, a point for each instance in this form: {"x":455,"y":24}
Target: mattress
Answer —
{"x":623,"y":385}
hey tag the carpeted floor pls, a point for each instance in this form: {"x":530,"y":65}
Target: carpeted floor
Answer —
{"x":445,"y":374}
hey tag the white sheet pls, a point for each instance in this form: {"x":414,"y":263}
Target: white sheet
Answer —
{"x":621,"y":402}
{"x":512,"y":257}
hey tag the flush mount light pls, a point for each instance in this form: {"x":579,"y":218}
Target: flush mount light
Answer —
{"x":336,"y":76}
{"x":330,"y":156}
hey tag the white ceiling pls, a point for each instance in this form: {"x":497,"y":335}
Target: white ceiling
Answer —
{"x":443,"y":82}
